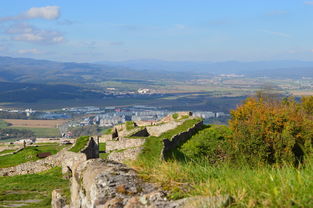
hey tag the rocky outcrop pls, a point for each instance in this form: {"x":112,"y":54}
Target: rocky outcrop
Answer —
{"x":103,"y":183}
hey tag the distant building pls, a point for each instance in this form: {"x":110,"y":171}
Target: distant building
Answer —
{"x":144,"y":91}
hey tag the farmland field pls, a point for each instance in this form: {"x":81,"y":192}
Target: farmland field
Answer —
{"x":35,"y":123}
{"x":41,"y":132}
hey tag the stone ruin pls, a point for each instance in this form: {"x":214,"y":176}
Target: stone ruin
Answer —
{"x":108,"y":183}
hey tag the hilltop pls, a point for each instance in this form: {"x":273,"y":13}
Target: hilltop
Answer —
{"x":173,"y":162}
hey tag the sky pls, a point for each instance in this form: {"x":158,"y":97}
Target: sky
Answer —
{"x":174,"y":30}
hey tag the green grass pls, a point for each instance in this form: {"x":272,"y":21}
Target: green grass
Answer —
{"x":183,"y":127}
{"x":81,"y":142}
{"x":41,"y":132}
{"x":105,"y":130}
{"x":108,"y":131}
{"x":33,"y":187}
{"x":7,"y":151}
{"x":262,"y":186}
{"x":102,"y":148}
{"x":130,"y":125}
{"x":27,"y":154}
{"x":250,"y":187}
{"x":152,"y":147}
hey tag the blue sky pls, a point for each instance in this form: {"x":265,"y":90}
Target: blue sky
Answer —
{"x":178,"y":30}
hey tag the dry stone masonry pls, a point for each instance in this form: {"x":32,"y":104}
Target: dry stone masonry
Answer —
{"x":98,"y":183}
{"x":90,"y":151}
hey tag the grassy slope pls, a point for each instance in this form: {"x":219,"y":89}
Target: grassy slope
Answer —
{"x":153,"y":145}
{"x":129,"y":125}
{"x":28,"y":154}
{"x":81,"y":142}
{"x":35,"y":186}
{"x":6,"y":151}
{"x":260,"y":187}
{"x":251,"y":187}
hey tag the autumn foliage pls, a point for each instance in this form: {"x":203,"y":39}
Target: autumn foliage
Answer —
{"x":272,"y":130}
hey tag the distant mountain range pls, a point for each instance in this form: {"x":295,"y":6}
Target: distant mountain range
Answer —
{"x":30,"y":80}
{"x":284,"y":68}
{"x":43,"y":71}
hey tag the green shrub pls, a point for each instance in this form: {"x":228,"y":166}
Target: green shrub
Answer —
{"x":81,"y":142}
{"x":209,"y":143}
{"x":271,"y":131}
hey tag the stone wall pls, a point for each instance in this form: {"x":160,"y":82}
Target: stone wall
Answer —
{"x":64,"y":158}
{"x":104,"y":183}
{"x":159,"y":129}
{"x":41,"y":165}
{"x":179,"y":139}
{"x":125,"y":154}
{"x":92,"y":149}
{"x":123,"y":143}
{"x":12,"y":153}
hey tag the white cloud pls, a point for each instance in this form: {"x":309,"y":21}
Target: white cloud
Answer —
{"x":28,"y":33}
{"x":308,"y":2}
{"x":48,"y":12}
{"x":29,"y":51}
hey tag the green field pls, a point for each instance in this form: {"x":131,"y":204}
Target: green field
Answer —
{"x":41,"y":132}
{"x":28,"y":154}
{"x":32,"y":191}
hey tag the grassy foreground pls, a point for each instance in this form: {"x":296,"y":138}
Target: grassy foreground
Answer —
{"x":258,"y":187}
{"x":34,"y":187}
